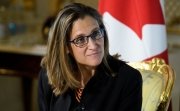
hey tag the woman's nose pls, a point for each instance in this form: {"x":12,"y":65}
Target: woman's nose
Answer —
{"x":92,"y":43}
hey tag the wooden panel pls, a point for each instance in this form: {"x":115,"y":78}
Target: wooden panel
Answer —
{"x":22,"y":64}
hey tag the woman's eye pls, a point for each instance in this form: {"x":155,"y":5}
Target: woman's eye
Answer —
{"x":80,"y":40}
{"x":95,"y":34}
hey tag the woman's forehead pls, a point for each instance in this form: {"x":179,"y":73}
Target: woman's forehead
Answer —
{"x":84,"y":26}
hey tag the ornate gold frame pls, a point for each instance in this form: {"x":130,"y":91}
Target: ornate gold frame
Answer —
{"x":159,"y":67}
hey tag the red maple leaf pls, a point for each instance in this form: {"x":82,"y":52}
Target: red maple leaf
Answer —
{"x":134,"y":13}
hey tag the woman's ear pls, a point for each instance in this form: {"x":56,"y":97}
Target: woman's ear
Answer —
{"x":67,"y":50}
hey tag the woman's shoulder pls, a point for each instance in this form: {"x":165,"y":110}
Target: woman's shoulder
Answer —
{"x":121,"y":67}
{"x":116,"y":64}
{"x":43,"y":75}
{"x":43,"y":81}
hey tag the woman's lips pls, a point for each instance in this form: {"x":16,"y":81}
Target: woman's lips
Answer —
{"x":94,"y":54}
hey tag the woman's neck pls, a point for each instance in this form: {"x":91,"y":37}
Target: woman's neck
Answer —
{"x":86,"y":73}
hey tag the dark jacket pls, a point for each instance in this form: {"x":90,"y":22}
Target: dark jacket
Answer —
{"x":102,"y":93}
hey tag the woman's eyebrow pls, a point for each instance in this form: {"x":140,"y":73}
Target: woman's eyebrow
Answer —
{"x":79,"y":35}
{"x":95,"y":29}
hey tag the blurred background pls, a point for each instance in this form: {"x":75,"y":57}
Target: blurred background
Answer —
{"x":24,"y":25}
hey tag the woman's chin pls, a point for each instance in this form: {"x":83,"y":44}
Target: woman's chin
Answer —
{"x":94,"y":63}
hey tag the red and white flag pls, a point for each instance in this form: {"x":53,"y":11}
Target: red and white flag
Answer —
{"x":136,"y":28}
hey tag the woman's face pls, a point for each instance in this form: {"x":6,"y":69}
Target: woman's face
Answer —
{"x":92,"y":53}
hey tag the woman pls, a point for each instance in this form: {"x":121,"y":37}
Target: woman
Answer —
{"x":78,"y":72}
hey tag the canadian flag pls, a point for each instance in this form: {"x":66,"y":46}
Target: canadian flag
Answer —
{"x":136,"y":28}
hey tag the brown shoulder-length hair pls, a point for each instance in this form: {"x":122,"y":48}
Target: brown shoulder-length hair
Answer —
{"x":61,"y":67}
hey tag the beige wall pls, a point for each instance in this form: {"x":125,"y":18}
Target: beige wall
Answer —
{"x":45,"y":8}
{"x":92,"y":3}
